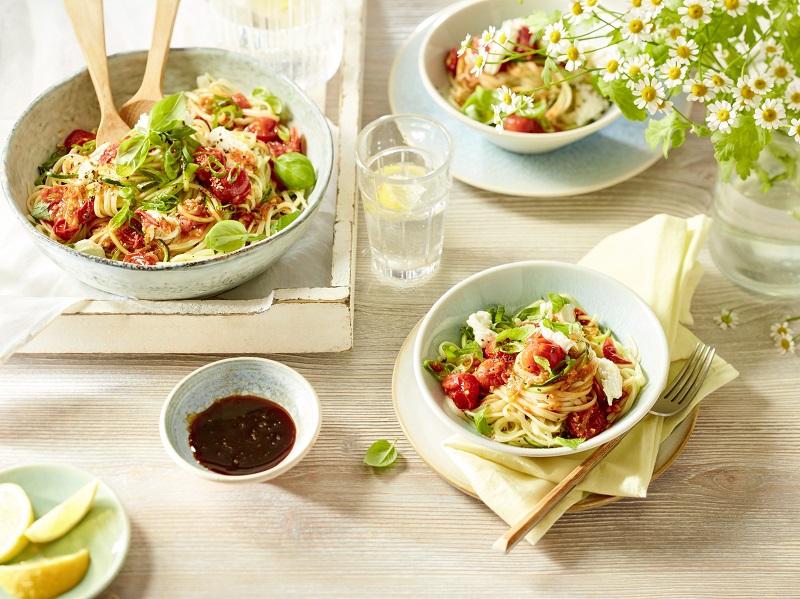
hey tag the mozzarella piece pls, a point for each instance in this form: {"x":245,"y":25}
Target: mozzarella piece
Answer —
{"x":557,"y":337}
{"x":143,"y":123}
{"x":481,"y":324}
{"x":610,"y":379}
{"x":224,"y":140}
{"x":568,"y":313}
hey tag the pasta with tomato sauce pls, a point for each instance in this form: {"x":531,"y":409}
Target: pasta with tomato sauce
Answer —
{"x":208,"y":171}
{"x":548,"y":376}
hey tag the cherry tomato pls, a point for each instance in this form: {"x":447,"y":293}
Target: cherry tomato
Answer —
{"x":130,"y":238}
{"x":86,"y":212}
{"x":520,"y":124}
{"x":241,"y":101}
{"x":63,"y":229}
{"x":278,"y":148}
{"x":490,"y":351}
{"x":524,"y":42}
{"x":201,"y":157}
{"x":588,"y":423}
{"x":451,"y":61}
{"x":78,"y":138}
{"x":140,"y":258}
{"x":464,"y":389}
{"x":610,"y":352}
{"x":53,"y":194}
{"x":187,"y":224}
{"x":492,"y":373}
{"x":540,"y":347}
{"x":246,"y":218}
{"x":265,"y":128}
{"x":231,"y":192}
{"x":109,"y":154}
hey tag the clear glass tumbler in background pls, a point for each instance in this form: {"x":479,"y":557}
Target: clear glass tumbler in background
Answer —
{"x":303,"y":39}
{"x":404,"y":179}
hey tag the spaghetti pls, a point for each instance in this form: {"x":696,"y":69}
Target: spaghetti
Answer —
{"x":548,"y":376}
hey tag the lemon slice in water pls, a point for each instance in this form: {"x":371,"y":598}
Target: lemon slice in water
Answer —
{"x":16,"y":514}
{"x":400,"y":197}
{"x":63,"y":518}
{"x":44,"y":578}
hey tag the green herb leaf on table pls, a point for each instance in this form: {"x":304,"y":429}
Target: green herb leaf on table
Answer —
{"x":295,"y":170}
{"x":229,"y":235}
{"x":381,"y":454}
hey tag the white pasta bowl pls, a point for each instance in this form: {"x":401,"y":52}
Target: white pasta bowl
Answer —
{"x":516,"y":286}
{"x":473,"y":17}
{"x":72,"y":104}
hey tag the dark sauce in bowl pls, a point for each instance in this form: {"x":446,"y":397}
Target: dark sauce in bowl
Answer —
{"x":241,"y":434}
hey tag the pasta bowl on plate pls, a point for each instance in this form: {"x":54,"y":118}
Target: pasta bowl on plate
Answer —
{"x":573,"y":109}
{"x":208,"y":191}
{"x":540,"y":358}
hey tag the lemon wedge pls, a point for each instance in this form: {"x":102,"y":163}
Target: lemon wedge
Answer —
{"x":16,"y":514}
{"x":63,"y":518}
{"x":396,"y":196}
{"x":44,"y":578}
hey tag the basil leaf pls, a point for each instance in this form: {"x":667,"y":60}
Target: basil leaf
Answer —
{"x":50,"y":163}
{"x":295,"y":170}
{"x":41,"y":210}
{"x":480,"y":422}
{"x":558,"y":327}
{"x":229,"y":235}
{"x":123,"y":216}
{"x":283,"y":222}
{"x":571,"y":443}
{"x":550,"y":67}
{"x":544,"y":363}
{"x":381,"y":454}
{"x":558,"y":301}
{"x":516,"y":334}
{"x":131,"y":154}
{"x":478,"y":106}
{"x":530,"y":313}
{"x":168,"y":113}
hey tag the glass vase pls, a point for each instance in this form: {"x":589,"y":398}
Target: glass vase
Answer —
{"x":755,"y":239}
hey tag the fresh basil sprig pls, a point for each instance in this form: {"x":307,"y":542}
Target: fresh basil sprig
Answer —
{"x":480,"y":422}
{"x":512,"y":341}
{"x":295,"y":170}
{"x":229,"y":235}
{"x":381,"y":454}
{"x":40,"y":210}
{"x":283,"y":222}
{"x":123,"y":216}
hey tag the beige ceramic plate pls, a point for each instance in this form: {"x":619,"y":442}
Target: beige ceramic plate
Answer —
{"x":425,"y":432}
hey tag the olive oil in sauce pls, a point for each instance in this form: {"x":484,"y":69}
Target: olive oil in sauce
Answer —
{"x":241,"y":434}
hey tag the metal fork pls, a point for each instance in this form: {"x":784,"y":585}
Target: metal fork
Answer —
{"x":681,"y":391}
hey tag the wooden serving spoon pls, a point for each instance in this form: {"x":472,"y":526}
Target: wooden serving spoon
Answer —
{"x":150,"y":91}
{"x":87,"y":22}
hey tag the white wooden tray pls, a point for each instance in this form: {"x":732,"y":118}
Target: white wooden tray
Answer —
{"x":298,"y":320}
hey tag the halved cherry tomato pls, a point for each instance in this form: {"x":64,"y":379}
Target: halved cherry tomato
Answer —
{"x":130,"y":238}
{"x":53,"y":194}
{"x":201,"y":157}
{"x":109,"y":154}
{"x":140,"y":258}
{"x":63,"y":229}
{"x":231,"y":192}
{"x":492,"y":373}
{"x":86,"y":212}
{"x":520,"y":124}
{"x":610,"y":352}
{"x":451,"y":61}
{"x":464,"y":389}
{"x":588,"y":423}
{"x":241,"y":101}
{"x":78,"y":138}
{"x":279,"y":148}
{"x":265,"y":128}
{"x":490,"y":351}
{"x":537,"y":346}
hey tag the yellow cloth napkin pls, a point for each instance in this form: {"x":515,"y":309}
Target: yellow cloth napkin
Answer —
{"x":664,"y":271}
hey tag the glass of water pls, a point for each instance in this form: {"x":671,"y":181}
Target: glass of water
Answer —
{"x":404,"y":179}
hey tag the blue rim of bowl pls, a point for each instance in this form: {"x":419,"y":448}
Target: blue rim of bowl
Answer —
{"x":270,"y":473}
{"x":317,"y":192}
{"x":616,"y":430}
{"x":611,"y":114}
{"x":114,"y":571}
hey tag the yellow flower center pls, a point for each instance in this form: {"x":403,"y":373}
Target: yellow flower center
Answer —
{"x":648,"y":93}
{"x":699,"y":90}
{"x":634,"y":70}
{"x":674,"y":73}
{"x":769,"y":114}
{"x":723,"y":115}
{"x":683,"y":51}
{"x":781,"y":72}
{"x":717,"y":81}
{"x":479,"y":61}
{"x":636,"y":3}
{"x":577,"y":9}
{"x":747,"y":93}
{"x":555,"y":36}
{"x":795,"y":99}
{"x":591,"y":2}
{"x":572,"y":53}
{"x":507,"y":99}
{"x":785,"y":343}
{"x":656,"y":2}
{"x":695,"y":11}
{"x":771,"y":49}
{"x":731,"y":4}
{"x":503,"y":39}
{"x":760,"y":84}
{"x":675,"y":32}
{"x":612,"y":66}
{"x":636,"y":26}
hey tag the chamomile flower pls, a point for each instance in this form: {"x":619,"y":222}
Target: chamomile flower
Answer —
{"x":613,"y":67}
{"x":576,"y":13}
{"x":589,"y":6}
{"x":665,"y":106}
{"x":497,"y":119}
{"x":649,"y":94}
{"x":721,"y":116}
{"x":673,"y":72}
{"x":674,"y":31}
{"x":466,"y":44}
{"x":684,"y":50}
{"x":638,"y":29}
{"x":508,"y":99}
{"x":555,"y":35}
{"x":792,"y":95}
{"x":780,"y":329}
{"x":638,"y":65}
{"x":772,"y":47}
{"x":480,"y":62}
{"x":695,"y":12}
{"x":770,"y":114}
{"x":653,"y":7}
{"x":743,"y":94}
{"x":793,"y":130}
{"x":486,"y":37}
{"x":717,"y":82}
{"x":784,"y":344}
{"x":698,"y":91}
{"x":781,"y":70}
{"x":727,"y":319}
{"x":735,"y":7}
{"x":573,"y":56}
{"x":760,"y":81}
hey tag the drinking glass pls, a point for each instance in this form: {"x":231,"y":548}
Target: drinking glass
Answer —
{"x":303,"y":39}
{"x":404,"y":179}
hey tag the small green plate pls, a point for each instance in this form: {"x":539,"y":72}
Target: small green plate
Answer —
{"x":105,"y":531}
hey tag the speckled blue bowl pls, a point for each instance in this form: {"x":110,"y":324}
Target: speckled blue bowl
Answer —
{"x":240,"y":376}
{"x":72,"y":105}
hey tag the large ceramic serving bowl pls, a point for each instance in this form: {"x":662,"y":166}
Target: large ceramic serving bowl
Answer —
{"x":474,"y":16}
{"x":517,"y":285}
{"x":72,"y":105}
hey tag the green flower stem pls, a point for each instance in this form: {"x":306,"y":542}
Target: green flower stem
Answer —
{"x":559,"y":82}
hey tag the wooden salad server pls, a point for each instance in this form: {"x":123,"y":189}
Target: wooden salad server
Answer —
{"x":87,"y":22}
{"x":150,"y":91}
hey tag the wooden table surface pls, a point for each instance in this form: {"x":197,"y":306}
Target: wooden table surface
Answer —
{"x":721,"y":522}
